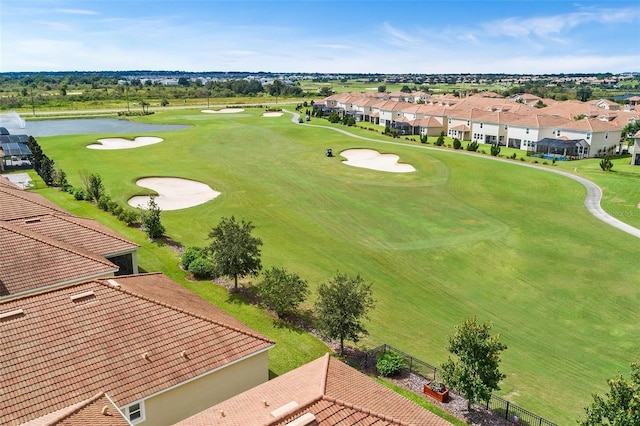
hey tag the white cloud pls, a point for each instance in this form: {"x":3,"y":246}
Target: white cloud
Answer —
{"x":77,"y":12}
{"x":396,"y":36}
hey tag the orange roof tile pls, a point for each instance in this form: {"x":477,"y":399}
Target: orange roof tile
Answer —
{"x":80,"y":232}
{"x":30,"y":260}
{"x":88,"y":412}
{"x":67,"y":344}
{"x":326,"y":388}
{"x":159,"y":287}
{"x":17,"y":203}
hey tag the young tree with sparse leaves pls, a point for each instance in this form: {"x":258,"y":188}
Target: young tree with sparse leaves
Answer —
{"x":151,"y":220}
{"x":343,"y":303}
{"x":619,"y":407}
{"x":476,"y":372}
{"x":235,"y":252}
{"x":282,"y":291}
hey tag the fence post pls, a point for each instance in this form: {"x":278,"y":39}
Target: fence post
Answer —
{"x":506,"y":414}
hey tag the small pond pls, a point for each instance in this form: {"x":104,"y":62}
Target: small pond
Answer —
{"x":81,"y":126}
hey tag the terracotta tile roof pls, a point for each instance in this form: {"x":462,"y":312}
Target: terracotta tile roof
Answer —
{"x":17,"y":203}
{"x":69,"y":343}
{"x":7,"y":183}
{"x":88,"y":412}
{"x":29,"y":260}
{"x":87,"y":234}
{"x":428,"y":122}
{"x":327,"y":388}
{"x":461,"y":128}
{"x":159,"y":287}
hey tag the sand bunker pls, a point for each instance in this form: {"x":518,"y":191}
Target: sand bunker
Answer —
{"x":222,"y":111}
{"x":173,"y":193}
{"x":272,"y":114}
{"x":371,"y":159}
{"x":121,"y":143}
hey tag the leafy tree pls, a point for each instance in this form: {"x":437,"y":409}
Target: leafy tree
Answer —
{"x":382,"y":89}
{"x":405,"y":89}
{"x":333,"y":117}
{"x":325,"y":91}
{"x":583,"y":93}
{"x":145,"y":106}
{"x":475,"y":374}
{"x":282,"y":291}
{"x":93,"y":187}
{"x":151,"y":220}
{"x":235,"y":252}
{"x":342,"y":304}
{"x":276,"y":88}
{"x":495,"y":149}
{"x":619,"y":407}
{"x":629,"y":130}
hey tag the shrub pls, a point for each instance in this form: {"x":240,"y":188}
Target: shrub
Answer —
{"x":129,"y":217}
{"x":117,"y":210}
{"x":457,"y":144}
{"x":201,"y":267}
{"x":495,"y":149}
{"x":473,"y":146}
{"x":189,"y":255}
{"x":606,"y":165}
{"x":103,"y":202}
{"x":389,"y":364}
{"x":78,"y":194}
{"x":112,"y":206}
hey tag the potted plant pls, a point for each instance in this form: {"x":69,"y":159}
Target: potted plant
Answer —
{"x":436,"y":390}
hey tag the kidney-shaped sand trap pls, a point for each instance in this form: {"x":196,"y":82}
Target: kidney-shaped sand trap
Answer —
{"x":173,"y":193}
{"x":122,"y":143}
{"x":222,"y":111}
{"x":272,"y":114}
{"x":371,"y":159}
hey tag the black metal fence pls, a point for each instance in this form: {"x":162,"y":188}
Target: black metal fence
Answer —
{"x":502,"y":407}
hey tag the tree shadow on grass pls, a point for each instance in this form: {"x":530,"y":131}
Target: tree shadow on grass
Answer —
{"x":165,"y":241}
{"x":243,"y":295}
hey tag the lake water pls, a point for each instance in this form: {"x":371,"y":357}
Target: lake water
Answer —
{"x":81,"y":126}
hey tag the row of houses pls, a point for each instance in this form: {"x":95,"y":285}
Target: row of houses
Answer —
{"x":88,"y":340}
{"x":581,"y":129}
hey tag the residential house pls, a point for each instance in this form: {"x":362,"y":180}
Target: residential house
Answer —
{"x":158,"y":351}
{"x":44,"y":246}
{"x":636,"y":149}
{"x":324,"y":392}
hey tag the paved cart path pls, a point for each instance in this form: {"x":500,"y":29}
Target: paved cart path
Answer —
{"x":591,"y":201}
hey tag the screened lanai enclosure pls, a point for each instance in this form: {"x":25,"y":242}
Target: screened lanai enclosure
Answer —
{"x":14,"y":151}
{"x":563,"y":148}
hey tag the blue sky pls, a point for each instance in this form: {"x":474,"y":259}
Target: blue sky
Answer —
{"x":321,"y":36}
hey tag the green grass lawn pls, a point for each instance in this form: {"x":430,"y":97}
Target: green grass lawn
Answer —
{"x":460,"y":237}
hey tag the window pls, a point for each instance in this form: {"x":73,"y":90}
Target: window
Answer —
{"x":481,"y":125}
{"x":588,"y":136}
{"x":135,"y":412}
{"x":606,"y":135}
{"x":527,"y":130}
{"x":449,"y":121}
